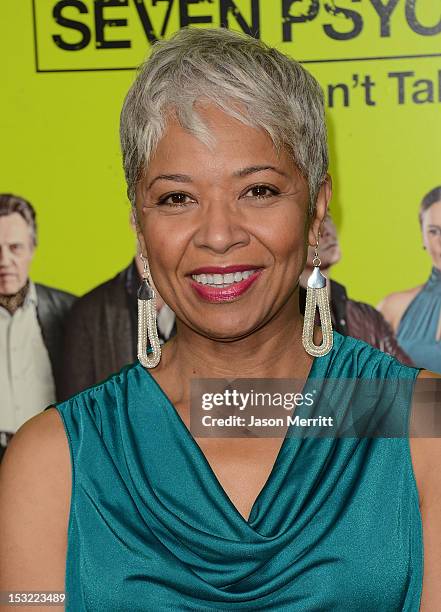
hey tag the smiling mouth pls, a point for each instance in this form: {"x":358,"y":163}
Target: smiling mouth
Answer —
{"x":221,"y":281}
{"x":224,"y":287}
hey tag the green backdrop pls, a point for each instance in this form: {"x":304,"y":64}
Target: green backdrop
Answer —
{"x":66,"y":66}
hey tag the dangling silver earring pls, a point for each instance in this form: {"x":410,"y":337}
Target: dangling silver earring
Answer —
{"x":317,"y":295}
{"x":147,"y":329}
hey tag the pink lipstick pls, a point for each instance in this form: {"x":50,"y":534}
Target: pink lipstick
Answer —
{"x":221,"y":293}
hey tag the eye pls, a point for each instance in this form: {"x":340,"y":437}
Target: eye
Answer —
{"x":261,"y":192}
{"x":176,"y":200}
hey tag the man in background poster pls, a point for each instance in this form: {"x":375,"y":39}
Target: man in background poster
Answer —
{"x":31,"y":323}
{"x":101,"y":332}
{"x":349,"y":317}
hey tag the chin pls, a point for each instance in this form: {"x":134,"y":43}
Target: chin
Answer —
{"x":229,"y":332}
{"x":7,"y":289}
{"x":336,"y":254}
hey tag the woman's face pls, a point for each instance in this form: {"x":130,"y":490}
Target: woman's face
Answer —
{"x":431,"y":225}
{"x":207,"y":215}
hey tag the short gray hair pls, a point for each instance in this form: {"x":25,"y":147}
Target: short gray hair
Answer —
{"x":10,"y":204}
{"x":243,"y":76}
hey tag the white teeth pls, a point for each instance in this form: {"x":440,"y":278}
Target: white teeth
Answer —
{"x":222,"y":280}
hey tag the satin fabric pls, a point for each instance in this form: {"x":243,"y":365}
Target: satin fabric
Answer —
{"x":336,"y":527}
{"x":419,"y":324}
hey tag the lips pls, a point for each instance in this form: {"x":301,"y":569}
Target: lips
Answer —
{"x":224,"y":294}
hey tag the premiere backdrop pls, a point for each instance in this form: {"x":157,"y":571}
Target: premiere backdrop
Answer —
{"x":67,"y":64}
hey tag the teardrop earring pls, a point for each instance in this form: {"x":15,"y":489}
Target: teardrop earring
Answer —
{"x":147,"y":328}
{"x":317,"y":295}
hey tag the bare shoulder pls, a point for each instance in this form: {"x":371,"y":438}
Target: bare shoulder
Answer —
{"x":426,"y":459}
{"x":392,"y":307}
{"x":40,"y":442}
{"x":35,"y":486}
{"x":426,"y":455}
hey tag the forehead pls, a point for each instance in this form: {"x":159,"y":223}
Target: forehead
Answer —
{"x":232,"y":145}
{"x":13,"y":228}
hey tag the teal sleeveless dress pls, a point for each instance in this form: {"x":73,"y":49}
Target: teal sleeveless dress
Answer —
{"x":336,"y":527}
{"x":418,"y":327}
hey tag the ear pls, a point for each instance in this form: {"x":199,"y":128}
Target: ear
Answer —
{"x":323,"y":199}
{"x":133,"y":218}
{"x":141,"y":243}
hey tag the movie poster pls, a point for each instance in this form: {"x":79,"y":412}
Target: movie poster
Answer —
{"x":66,"y":66}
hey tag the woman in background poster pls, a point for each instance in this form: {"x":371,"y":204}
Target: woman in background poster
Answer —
{"x":415,"y":314}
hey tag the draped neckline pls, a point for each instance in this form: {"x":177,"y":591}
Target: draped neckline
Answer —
{"x":434,"y":281}
{"x":318,"y":369}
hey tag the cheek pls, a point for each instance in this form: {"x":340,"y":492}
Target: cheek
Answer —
{"x":285,"y":234}
{"x":23,"y":260}
{"x":429,"y":241}
{"x":165,"y":249}
{"x":151,"y":236}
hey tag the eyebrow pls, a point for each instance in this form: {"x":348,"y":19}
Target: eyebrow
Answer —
{"x":179,"y":178}
{"x":185,"y":178}
{"x":252,"y":169}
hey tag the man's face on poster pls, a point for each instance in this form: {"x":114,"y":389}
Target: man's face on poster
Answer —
{"x":16,"y":252}
{"x":329,"y":248}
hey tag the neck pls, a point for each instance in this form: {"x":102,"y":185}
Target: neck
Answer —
{"x":273,"y":351}
{"x":15,"y":301}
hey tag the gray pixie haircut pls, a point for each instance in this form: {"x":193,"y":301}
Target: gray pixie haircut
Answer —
{"x":246,"y":78}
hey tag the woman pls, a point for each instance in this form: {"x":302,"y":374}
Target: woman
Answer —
{"x":224,"y":147}
{"x":415,"y":314}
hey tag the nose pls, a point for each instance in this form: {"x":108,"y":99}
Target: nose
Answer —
{"x":221,"y":228}
{"x":5,"y":256}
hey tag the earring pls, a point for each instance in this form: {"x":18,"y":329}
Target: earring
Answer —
{"x":317,"y":295}
{"x":147,"y":329}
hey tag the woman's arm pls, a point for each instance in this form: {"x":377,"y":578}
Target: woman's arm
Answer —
{"x":426,"y":458}
{"x":35,"y":489}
